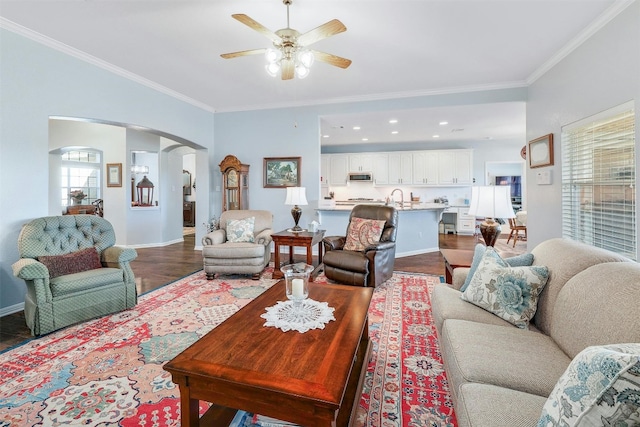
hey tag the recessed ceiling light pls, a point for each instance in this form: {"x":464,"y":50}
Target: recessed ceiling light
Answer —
{"x":365,"y":139}
{"x":457,"y":130}
{"x":356,"y":128}
{"x":325,"y":136}
{"x":393,"y":121}
{"x":443,"y":123}
{"x":436,"y":136}
{"x":394,"y":132}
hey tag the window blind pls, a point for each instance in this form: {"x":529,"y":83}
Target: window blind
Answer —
{"x":598,"y":181}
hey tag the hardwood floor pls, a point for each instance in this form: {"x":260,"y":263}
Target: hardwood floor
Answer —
{"x":155,"y":267}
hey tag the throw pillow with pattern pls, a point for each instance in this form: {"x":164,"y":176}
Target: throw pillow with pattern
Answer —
{"x":601,"y":387}
{"x":508,"y":292}
{"x":362,"y":233}
{"x":74,"y":262}
{"x":523,"y":260}
{"x":240,"y":230}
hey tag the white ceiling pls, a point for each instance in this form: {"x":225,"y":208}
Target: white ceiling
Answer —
{"x":398,"y":48}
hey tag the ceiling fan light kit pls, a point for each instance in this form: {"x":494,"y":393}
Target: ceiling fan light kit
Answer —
{"x":289,"y":55}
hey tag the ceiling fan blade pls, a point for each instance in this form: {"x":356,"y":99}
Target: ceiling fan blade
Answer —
{"x":325,"y":30}
{"x":287,"y":68}
{"x":258,"y":27}
{"x":331,"y":59}
{"x":243,"y":53}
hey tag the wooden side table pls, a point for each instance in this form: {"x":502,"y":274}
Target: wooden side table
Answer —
{"x":454,"y":258}
{"x":291,"y":239}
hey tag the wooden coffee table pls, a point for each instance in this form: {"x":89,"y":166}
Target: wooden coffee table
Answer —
{"x":291,"y":239}
{"x":454,"y":258}
{"x":312,"y":379}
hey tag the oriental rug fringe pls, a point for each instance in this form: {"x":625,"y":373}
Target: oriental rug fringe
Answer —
{"x":108,"y":371}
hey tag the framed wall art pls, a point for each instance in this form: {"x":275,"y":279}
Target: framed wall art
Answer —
{"x":281,"y":172}
{"x":540,"y":151}
{"x":114,"y":174}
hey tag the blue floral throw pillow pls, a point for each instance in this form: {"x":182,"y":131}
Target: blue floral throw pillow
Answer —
{"x":508,"y":292}
{"x":601,"y":387}
{"x":240,"y":230}
{"x":523,"y":260}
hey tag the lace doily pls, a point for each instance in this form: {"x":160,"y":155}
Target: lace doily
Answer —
{"x":309,"y":315}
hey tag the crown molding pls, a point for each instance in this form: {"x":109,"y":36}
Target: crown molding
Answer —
{"x":380,"y":96}
{"x":584,"y":35}
{"x":83,"y":56}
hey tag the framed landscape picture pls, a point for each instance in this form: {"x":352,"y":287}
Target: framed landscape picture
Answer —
{"x":281,"y":172}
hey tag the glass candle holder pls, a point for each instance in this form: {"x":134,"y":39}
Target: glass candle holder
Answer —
{"x":296,"y":279}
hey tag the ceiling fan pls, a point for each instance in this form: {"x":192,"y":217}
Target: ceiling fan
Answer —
{"x":290,"y":53}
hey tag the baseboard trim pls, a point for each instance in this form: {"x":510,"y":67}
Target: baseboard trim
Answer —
{"x":417,"y":252}
{"x":5,"y":311}
{"x":156,"y":245}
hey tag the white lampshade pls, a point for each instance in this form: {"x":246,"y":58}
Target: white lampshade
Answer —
{"x":296,"y":196}
{"x":491,"y":201}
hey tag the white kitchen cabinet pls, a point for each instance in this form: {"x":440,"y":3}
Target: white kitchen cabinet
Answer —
{"x":338,"y":169}
{"x":325,"y":162}
{"x":455,"y":167}
{"x":425,"y":168}
{"x":360,"y":162}
{"x":466,"y":224}
{"x":400,"y":167}
{"x":380,"y":168}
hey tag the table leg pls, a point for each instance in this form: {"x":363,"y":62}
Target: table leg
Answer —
{"x":448,"y":273}
{"x":190,"y":414}
{"x":320,"y":249}
{"x":277,"y":274}
{"x":309,"y":255}
{"x":290,"y":254}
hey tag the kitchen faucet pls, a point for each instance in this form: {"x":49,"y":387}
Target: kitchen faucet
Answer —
{"x":401,"y":196}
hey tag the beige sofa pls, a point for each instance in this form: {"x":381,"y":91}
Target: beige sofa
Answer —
{"x":501,"y":375}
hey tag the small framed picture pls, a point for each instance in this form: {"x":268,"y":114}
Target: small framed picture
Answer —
{"x":114,"y":174}
{"x":540,"y":151}
{"x":281,"y":172}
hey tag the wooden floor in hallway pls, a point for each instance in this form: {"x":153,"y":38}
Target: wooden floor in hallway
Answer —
{"x":155,"y":267}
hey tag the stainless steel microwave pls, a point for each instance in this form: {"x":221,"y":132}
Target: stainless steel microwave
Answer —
{"x":360,"y":176}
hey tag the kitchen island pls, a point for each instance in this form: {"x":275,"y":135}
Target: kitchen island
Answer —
{"x":417,"y":225}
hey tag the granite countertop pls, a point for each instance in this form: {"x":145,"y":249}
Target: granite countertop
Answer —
{"x":407,"y":207}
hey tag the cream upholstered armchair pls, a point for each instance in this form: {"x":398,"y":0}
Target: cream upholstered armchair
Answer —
{"x":73,"y":271}
{"x":241,"y":245}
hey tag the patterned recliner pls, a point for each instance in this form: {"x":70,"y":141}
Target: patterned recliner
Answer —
{"x":51,"y":304}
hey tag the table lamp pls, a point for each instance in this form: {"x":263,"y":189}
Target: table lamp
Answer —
{"x":490,"y":202}
{"x":296,"y":196}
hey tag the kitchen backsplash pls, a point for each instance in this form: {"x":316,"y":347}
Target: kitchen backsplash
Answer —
{"x":366,"y":190}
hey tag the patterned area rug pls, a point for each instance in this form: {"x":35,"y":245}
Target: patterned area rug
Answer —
{"x":109,"y":372}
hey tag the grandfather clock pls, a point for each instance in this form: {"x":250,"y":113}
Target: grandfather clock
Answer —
{"x":235,"y":184}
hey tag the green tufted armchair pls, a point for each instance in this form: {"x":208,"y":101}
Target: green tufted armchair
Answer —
{"x":53,"y":303}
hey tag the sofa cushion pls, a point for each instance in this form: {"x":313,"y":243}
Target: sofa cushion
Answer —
{"x":447,"y":304}
{"x":63,"y":286}
{"x":242,"y":250}
{"x":240,"y":230}
{"x":601,"y":386}
{"x":564,"y":258}
{"x":507,"y":357}
{"x":523,"y":260}
{"x":598,"y":306}
{"x":509,"y":292}
{"x":74,"y":262}
{"x":482,"y":405}
{"x":363,"y":232}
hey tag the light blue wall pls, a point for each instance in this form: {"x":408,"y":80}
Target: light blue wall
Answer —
{"x":292,"y":132}
{"x":602,"y":73}
{"x":37,"y":82}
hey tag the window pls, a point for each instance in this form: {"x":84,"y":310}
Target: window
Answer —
{"x":598,"y":181}
{"x":80,"y":171}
